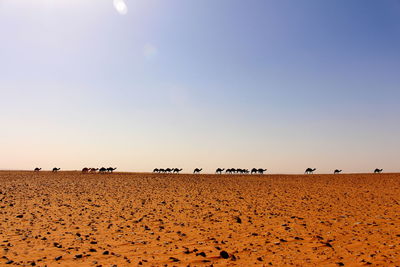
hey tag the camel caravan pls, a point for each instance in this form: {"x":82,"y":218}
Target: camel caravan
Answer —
{"x":53,"y":170}
{"x":84,"y":170}
{"x":196,"y":171}
{"x":167,"y":170}
{"x":217,"y":171}
{"x":98,"y":170}
{"x":241,"y":171}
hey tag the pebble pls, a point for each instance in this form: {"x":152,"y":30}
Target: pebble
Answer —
{"x":201,"y":254}
{"x":224,"y":254}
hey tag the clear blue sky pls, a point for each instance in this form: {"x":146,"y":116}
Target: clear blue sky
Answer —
{"x":283,"y":84}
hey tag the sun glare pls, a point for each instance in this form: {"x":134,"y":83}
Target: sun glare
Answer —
{"x":121,"y":7}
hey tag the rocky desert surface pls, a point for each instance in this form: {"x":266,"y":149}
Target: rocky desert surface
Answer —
{"x":132,"y":219}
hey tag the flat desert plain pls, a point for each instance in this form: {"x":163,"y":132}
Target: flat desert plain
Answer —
{"x":124,"y":219}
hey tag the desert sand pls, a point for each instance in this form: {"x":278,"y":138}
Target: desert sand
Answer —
{"x":123,"y":219}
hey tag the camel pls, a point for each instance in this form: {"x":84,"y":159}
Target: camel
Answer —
{"x":176,"y":170}
{"x":254,"y":170}
{"x":337,"y":171}
{"x":111,"y":169}
{"x":261,"y":171}
{"x":239,"y":171}
{"x":161,"y":170}
{"x":169,"y":170}
{"x":378,"y":170}
{"x":156,"y":170}
{"x":219,"y":171}
{"x":56,"y":169}
{"x":309,"y":171}
{"x":85,"y":170}
{"x":93,"y":169}
{"x":102,"y":170}
{"x":197,"y":170}
{"x":37,"y":169}
{"x":242,"y":171}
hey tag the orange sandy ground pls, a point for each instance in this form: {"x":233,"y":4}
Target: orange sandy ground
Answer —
{"x":157,"y":220}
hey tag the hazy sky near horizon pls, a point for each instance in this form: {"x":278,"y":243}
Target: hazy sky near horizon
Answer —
{"x":282,"y":85}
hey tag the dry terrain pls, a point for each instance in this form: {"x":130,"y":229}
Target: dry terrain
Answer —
{"x":123,"y":219}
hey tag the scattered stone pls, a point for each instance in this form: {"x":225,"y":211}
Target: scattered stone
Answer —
{"x":174,"y":259}
{"x":224,"y":254}
{"x":201,"y":254}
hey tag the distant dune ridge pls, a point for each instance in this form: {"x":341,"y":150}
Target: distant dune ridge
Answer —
{"x":152,"y":219}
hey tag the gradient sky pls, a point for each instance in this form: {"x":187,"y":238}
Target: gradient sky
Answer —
{"x":283,"y":84}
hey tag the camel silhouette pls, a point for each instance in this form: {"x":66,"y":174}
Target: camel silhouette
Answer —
{"x":85,"y":170}
{"x":37,"y":169}
{"x":102,"y":170}
{"x":242,"y":171}
{"x":176,"y":170}
{"x":378,"y":170}
{"x":239,"y":170}
{"x":56,"y":169}
{"x":309,"y":171}
{"x":161,"y":170}
{"x":111,"y":169}
{"x":169,"y":170}
{"x":261,"y":171}
{"x":254,"y":170}
{"x":219,"y":171}
{"x":197,"y":170}
{"x":337,"y":171}
{"x":156,"y":170}
{"x":93,"y":169}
